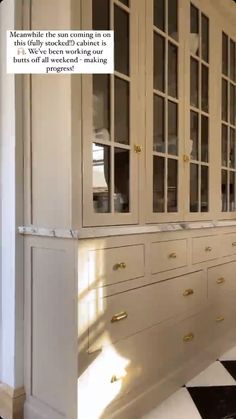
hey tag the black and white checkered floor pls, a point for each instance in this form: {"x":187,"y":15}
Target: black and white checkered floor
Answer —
{"x":210,"y":395}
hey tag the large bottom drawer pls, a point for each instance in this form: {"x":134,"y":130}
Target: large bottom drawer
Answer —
{"x":120,"y":316}
{"x":150,"y":356}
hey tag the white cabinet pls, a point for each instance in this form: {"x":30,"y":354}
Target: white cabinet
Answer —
{"x":151,"y":152}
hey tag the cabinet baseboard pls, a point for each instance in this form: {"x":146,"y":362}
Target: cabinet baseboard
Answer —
{"x":11,"y":402}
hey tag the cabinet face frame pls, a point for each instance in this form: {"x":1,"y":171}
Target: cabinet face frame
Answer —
{"x":90,"y":217}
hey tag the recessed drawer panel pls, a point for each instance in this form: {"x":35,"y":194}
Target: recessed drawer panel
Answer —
{"x":114,"y":318}
{"x":222,"y":284}
{"x":229,"y":244}
{"x":205,"y":248}
{"x":109,"y":266}
{"x":168,"y":255}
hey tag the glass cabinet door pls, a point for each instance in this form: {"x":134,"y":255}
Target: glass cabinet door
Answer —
{"x":198,"y":143}
{"x":162,"y":108}
{"x":228,"y":125}
{"x":110,"y":161}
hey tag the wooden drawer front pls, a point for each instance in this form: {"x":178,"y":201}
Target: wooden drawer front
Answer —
{"x":229,"y":244}
{"x":222,"y":284}
{"x":114,"y":318}
{"x":205,"y":248}
{"x":222,"y":328}
{"x":168,"y":255}
{"x":146,"y":357}
{"x":109,"y":266}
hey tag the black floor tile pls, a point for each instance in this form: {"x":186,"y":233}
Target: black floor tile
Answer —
{"x":215,"y":402}
{"x":230,"y":366}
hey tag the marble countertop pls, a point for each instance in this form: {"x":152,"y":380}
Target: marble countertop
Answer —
{"x":121,"y":230}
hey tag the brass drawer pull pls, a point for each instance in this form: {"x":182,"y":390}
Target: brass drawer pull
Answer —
{"x":173,"y":255}
{"x":119,"y":316}
{"x":208,"y":249}
{"x":121,"y":265}
{"x":188,"y":292}
{"x":234,"y":244}
{"x":220,"y":280}
{"x":220,"y":319}
{"x":188,"y":338}
{"x":115,"y":378}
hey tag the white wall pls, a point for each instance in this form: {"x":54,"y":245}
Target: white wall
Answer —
{"x":11,"y":309}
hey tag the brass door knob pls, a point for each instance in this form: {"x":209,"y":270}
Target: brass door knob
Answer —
{"x":119,"y":316}
{"x":173,"y":255}
{"x":137,"y":148}
{"x":189,"y":337}
{"x":208,"y":249}
{"x":188,"y":292}
{"x":186,"y":158}
{"x":220,"y":280}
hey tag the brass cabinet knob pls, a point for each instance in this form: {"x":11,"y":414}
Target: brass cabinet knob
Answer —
{"x":137,"y":148}
{"x":234,"y":244}
{"x":189,"y":337}
{"x":220,"y":280}
{"x":120,"y":265}
{"x":188,"y":292}
{"x":173,"y":255}
{"x":186,"y":158}
{"x":119,"y":316}
{"x":220,"y":319}
{"x":208,"y":249}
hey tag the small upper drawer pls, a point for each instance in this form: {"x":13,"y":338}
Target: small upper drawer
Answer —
{"x":222,"y":283}
{"x":109,"y":266}
{"x":205,"y":248}
{"x":168,"y":255}
{"x":114,"y":318}
{"x":228,"y":244}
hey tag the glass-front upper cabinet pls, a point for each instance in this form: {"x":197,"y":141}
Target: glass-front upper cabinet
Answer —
{"x":178,"y":110}
{"x":159,"y":135}
{"x":110,"y":133}
{"x":164,"y":93}
{"x":198,"y":151}
{"x":228,"y":125}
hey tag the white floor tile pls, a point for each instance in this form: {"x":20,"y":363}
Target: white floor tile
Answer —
{"x":214,"y":375}
{"x":229,"y":355}
{"x":177,"y":406}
